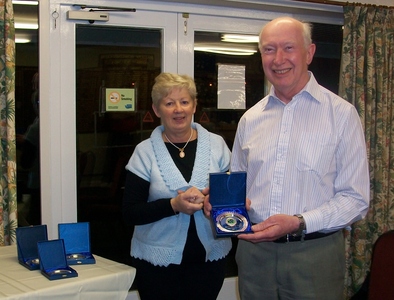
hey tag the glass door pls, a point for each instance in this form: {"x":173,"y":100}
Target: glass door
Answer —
{"x":229,"y":79}
{"x":115,"y":70}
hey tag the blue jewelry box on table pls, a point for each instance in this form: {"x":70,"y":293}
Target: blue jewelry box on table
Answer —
{"x":76,"y":238}
{"x":26,"y":239}
{"x":227,"y":195}
{"x":53,"y":262}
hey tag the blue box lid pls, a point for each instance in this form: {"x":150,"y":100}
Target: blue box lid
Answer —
{"x":52,"y":254}
{"x":26,"y":239}
{"x":53,"y":262}
{"x":76,"y":237}
{"x":227,"y":189}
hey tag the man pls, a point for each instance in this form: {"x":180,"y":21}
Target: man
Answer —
{"x":304,"y":152}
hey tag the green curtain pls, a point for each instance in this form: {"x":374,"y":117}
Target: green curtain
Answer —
{"x":8,"y":199}
{"x":367,"y":72}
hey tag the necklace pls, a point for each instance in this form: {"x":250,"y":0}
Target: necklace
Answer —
{"x":181,"y":150}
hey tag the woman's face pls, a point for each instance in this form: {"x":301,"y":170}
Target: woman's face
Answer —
{"x":176,"y":111}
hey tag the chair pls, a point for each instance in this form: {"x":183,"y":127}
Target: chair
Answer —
{"x":381,"y":284}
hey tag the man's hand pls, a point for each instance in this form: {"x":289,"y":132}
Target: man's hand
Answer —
{"x":271,"y":229}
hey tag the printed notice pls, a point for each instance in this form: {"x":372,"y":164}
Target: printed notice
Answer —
{"x":119,"y":99}
{"x":231,"y":87}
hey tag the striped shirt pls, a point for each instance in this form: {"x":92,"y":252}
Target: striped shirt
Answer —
{"x":307,"y":157}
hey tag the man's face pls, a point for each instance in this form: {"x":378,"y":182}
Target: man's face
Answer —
{"x":285,"y":57}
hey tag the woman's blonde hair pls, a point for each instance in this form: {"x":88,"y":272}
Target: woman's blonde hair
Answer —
{"x":166,"y":82}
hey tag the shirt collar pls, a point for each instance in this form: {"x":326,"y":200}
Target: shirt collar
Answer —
{"x":312,"y":89}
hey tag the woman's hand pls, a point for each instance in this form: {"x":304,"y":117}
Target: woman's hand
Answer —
{"x":188,"y":201}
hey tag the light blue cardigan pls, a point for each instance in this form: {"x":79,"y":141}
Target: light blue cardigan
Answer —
{"x":162,"y":242}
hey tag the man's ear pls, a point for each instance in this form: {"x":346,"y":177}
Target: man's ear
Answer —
{"x":310,"y":53}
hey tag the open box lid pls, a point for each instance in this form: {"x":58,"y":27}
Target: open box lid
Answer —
{"x":52,"y":254}
{"x":26,"y":239}
{"x":227,"y":189}
{"x":76,"y":237}
{"x":53,"y":262}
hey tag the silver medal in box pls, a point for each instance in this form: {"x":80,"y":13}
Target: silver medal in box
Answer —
{"x":227,"y":195}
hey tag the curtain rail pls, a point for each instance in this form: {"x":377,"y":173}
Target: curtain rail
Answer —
{"x":340,"y":3}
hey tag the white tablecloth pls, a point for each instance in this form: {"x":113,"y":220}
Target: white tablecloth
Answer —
{"x":104,"y":280}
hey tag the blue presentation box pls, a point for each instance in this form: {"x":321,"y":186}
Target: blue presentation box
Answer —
{"x":227,"y":195}
{"x":53,"y":262}
{"x":76,"y":238}
{"x":26,"y":240}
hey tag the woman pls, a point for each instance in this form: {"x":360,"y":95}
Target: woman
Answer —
{"x":173,"y":248}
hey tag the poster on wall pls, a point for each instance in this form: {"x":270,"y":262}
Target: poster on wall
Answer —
{"x":231,"y":86}
{"x":119,"y":99}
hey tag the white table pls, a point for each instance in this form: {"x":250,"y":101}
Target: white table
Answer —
{"x":105,"y":279}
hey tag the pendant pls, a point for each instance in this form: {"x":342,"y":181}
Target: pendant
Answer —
{"x":181,"y":154}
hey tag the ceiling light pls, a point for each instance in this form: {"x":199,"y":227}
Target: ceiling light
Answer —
{"x":24,"y":37}
{"x":26,"y":2}
{"x":26,"y":25}
{"x":225,"y":50}
{"x":22,"y":40}
{"x":240,"y":38}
